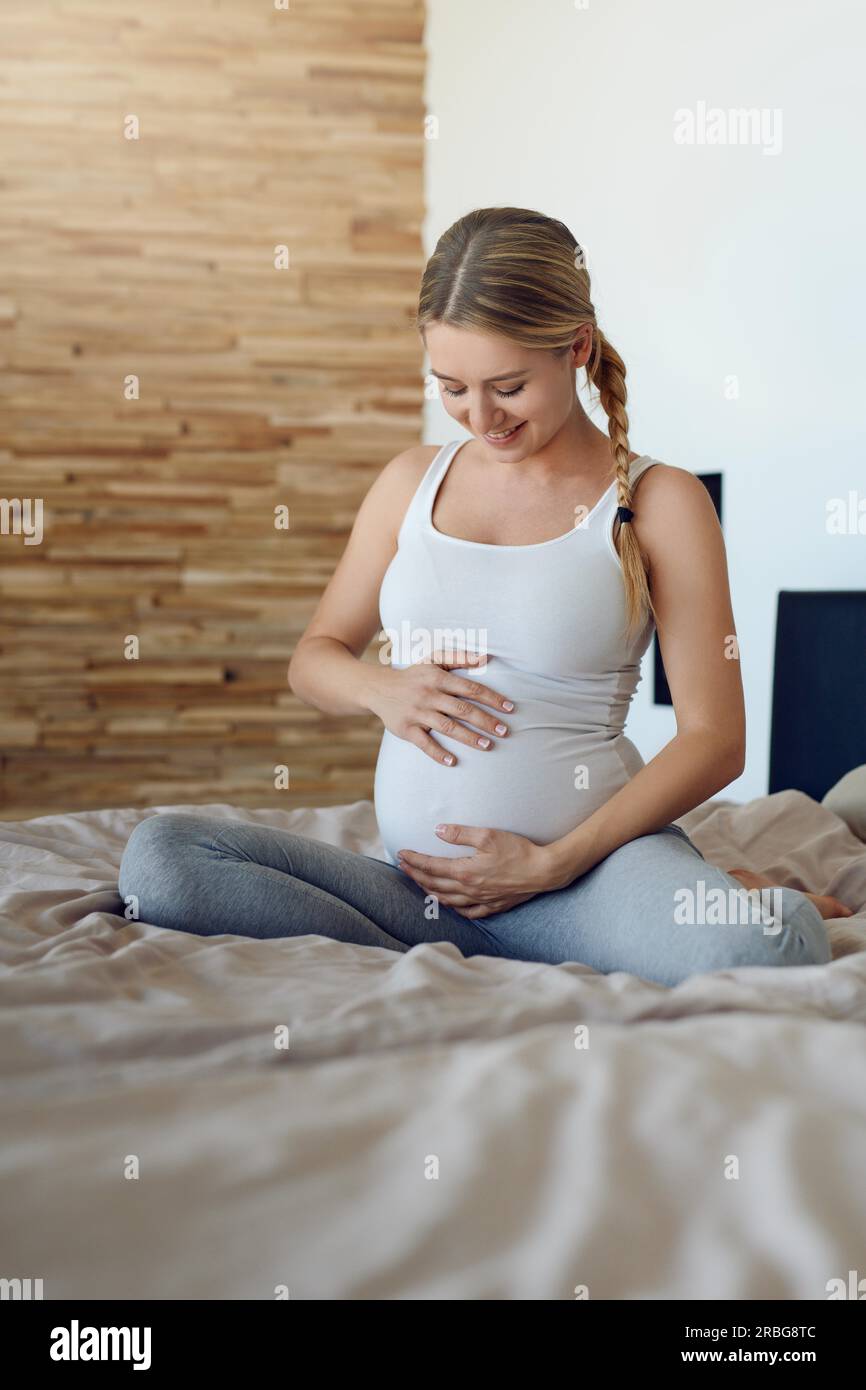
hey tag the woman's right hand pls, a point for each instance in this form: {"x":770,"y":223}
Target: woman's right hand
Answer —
{"x":415,"y":701}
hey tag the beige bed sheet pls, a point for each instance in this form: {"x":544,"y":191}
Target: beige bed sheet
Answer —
{"x":432,"y":1130}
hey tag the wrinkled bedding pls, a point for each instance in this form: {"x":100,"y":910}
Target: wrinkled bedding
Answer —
{"x":437,"y":1127}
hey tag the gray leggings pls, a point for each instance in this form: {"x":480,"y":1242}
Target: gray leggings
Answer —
{"x":643,"y":909}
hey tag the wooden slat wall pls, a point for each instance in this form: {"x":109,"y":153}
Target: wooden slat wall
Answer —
{"x":259,"y":387}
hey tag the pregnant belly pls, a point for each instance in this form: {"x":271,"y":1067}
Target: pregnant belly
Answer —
{"x":541,"y":780}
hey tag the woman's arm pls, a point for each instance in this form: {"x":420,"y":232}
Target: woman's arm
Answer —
{"x":677,"y":528}
{"x":326,"y":670}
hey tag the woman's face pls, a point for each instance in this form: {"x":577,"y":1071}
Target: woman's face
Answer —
{"x":491,"y":385}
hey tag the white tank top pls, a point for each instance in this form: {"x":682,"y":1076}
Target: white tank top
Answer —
{"x":551,"y":618}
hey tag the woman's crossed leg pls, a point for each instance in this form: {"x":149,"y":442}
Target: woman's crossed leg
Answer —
{"x":653,"y":907}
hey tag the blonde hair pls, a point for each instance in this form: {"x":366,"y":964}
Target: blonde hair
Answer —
{"x":521,"y":275}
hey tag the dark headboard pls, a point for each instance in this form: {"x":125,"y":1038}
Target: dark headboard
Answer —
{"x":818,"y":729}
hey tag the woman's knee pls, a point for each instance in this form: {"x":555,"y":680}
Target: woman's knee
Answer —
{"x":791,"y":932}
{"x":151,"y":858}
{"x":781,"y":927}
{"x":717,"y":924}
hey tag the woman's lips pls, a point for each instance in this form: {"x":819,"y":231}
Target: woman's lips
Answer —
{"x":513,"y":434}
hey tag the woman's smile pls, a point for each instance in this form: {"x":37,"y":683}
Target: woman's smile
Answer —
{"x":505,"y":437}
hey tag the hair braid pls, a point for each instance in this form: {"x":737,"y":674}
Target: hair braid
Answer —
{"x":606,"y":371}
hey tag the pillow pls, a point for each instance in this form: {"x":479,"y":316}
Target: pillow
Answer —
{"x":848,"y":800}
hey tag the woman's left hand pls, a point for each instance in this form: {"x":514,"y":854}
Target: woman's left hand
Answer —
{"x":506,"y":869}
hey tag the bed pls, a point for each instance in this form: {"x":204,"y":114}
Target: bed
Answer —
{"x":224,"y":1118}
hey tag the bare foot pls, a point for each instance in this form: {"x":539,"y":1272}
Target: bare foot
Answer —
{"x":827,"y":906}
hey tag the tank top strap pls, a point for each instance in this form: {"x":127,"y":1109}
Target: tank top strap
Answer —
{"x":639,"y":466}
{"x":418,"y":510}
{"x":636,"y":469}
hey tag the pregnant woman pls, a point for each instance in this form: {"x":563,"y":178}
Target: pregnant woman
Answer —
{"x":518,"y":575}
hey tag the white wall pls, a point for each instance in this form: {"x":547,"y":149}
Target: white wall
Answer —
{"x":707,"y":261}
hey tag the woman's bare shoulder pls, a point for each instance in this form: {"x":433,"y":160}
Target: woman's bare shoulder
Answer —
{"x":399,"y":479}
{"x":412,"y":463}
{"x":667,"y":484}
{"x":672,"y":502}
{"x":393,"y":488}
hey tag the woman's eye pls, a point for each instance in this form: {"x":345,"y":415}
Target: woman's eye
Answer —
{"x":515,"y":392}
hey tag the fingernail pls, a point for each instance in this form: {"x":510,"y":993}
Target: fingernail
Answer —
{"x":449,"y":759}
{"x":500,"y":728}
{"x":507,"y":704}
{"x":484,"y":743}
